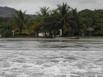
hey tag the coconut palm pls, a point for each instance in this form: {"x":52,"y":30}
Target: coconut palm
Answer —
{"x":76,"y":22}
{"x":20,"y":20}
{"x":63,"y":11}
{"x":44,"y":11}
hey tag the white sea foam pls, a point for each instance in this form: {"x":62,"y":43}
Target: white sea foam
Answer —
{"x":50,"y":59}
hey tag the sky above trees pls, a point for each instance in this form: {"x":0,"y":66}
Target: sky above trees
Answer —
{"x":32,"y":6}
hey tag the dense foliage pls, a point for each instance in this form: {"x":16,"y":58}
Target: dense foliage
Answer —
{"x":62,"y":21}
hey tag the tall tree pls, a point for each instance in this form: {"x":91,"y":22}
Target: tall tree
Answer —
{"x":76,"y":21}
{"x":44,"y":11}
{"x":63,"y":11}
{"x":20,"y":20}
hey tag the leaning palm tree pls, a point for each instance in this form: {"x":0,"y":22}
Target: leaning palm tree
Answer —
{"x":20,"y":20}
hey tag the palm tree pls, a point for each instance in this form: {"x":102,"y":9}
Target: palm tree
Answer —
{"x":76,"y":22}
{"x":20,"y":20}
{"x":63,"y":11}
{"x":40,"y":19}
{"x":44,"y":11}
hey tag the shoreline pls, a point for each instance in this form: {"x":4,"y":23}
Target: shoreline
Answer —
{"x":65,"y":39}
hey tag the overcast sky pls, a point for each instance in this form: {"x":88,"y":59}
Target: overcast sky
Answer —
{"x":32,"y":6}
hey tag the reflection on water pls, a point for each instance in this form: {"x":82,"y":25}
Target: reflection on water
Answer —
{"x":51,"y":58}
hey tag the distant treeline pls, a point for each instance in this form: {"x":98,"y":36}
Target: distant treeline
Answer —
{"x":63,"y":21}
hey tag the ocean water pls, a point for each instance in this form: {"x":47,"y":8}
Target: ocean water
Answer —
{"x":51,"y":57}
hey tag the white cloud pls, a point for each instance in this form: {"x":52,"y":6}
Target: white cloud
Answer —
{"x":33,"y":6}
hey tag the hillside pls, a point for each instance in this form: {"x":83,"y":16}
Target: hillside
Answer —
{"x":6,"y":11}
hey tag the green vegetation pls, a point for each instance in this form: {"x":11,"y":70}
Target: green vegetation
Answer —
{"x":63,"y":21}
